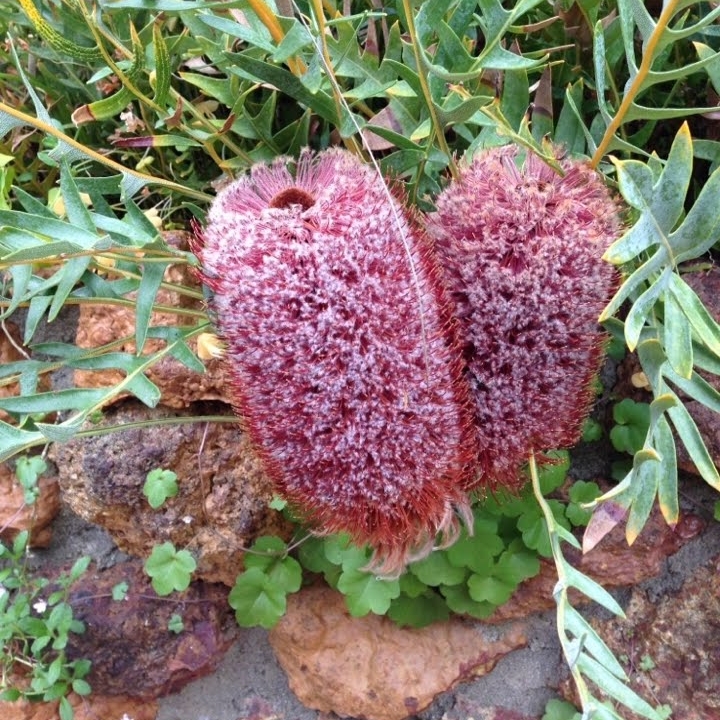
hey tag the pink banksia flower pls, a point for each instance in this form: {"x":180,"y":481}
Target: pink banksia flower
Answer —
{"x":342,"y":352}
{"x":521,"y":247}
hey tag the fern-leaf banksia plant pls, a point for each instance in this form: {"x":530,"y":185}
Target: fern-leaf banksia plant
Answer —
{"x":521,"y":247}
{"x":341,"y":349}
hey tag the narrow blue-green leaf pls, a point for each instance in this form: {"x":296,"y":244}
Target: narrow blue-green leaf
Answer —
{"x":55,"y":401}
{"x":703,"y":323}
{"x":14,"y":440}
{"x":694,"y":444}
{"x":638,"y":278}
{"x":75,"y":210}
{"x":663,"y":209}
{"x":21,"y":276}
{"x":700,"y":229}
{"x":581,"y":628}
{"x":697,"y":388}
{"x":636,"y":182}
{"x":162,"y":66}
{"x":144,"y":232}
{"x":38,"y":307}
{"x":653,"y":362}
{"x":295,"y":39}
{"x":668,"y":481}
{"x":677,"y":337}
{"x":568,"y":130}
{"x":645,"y":488}
{"x":599,"y":63}
{"x":64,"y":431}
{"x":614,"y":687}
{"x":152,"y":276}
{"x":593,"y":590}
{"x":567,"y":536}
{"x":143,"y":389}
{"x":52,"y":229}
{"x":69,"y":275}
{"x":234,"y":29}
{"x":642,"y":307}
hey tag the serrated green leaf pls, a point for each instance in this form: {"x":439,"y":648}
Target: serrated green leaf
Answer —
{"x":365,"y":593}
{"x":489,"y":589}
{"x":418,"y":611}
{"x":459,"y":601}
{"x":170,"y":569}
{"x":436,"y":569}
{"x":256,"y":601}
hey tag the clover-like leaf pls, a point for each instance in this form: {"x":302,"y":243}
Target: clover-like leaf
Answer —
{"x":159,"y":486}
{"x":257,"y":600}
{"x":169,"y":568}
{"x":366,"y":593}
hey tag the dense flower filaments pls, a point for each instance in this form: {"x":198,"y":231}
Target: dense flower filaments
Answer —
{"x":521,"y":247}
{"x":341,"y":348}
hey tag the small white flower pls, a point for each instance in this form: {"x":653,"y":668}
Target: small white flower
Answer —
{"x":40,"y":606}
{"x":3,"y":591}
{"x":125,"y":717}
{"x":188,"y":519}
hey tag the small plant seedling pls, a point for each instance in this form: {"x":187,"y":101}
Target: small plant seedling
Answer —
{"x":169,"y":568}
{"x":560,"y":710}
{"x":176,"y":624}
{"x":159,"y":486}
{"x":646,"y":663}
{"x":632,"y":423}
{"x":119,"y":591}
{"x":28,"y":471}
{"x":259,"y":596}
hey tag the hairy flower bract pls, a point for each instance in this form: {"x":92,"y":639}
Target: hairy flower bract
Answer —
{"x":342,"y":351}
{"x":521,"y":246}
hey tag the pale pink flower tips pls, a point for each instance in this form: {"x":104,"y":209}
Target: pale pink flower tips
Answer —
{"x":521,"y":247}
{"x":342,"y":351}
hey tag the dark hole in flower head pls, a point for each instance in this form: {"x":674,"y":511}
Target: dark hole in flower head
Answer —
{"x":292,"y":196}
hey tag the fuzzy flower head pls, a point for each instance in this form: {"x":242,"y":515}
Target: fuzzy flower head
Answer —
{"x":340,"y":344}
{"x":521,"y":246}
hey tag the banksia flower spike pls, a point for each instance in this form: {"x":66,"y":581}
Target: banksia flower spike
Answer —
{"x":521,"y":247}
{"x":341,"y":350}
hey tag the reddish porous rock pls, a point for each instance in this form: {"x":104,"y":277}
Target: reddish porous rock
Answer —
{"x":223,"y":500}
{"x":673,"y":647}
{"x":128,"y":641}
{"x":612,"y":563}
{"x":91,"y":707}
{"x":368,"y":667}
{"x":16,"y":516}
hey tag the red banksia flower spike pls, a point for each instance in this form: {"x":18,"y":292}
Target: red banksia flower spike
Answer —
{"x":521,"y":247}
{"x":342,"y":350}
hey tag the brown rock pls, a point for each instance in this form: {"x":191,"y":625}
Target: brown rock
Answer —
{"x":671,"y":649}
{"x":128,"y":641}
{"x":368,"y":667}
{"x":612,"y":563}
{"x":16,"y":516}
{"x":222,"y":503}
{"x":92,"y":707}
